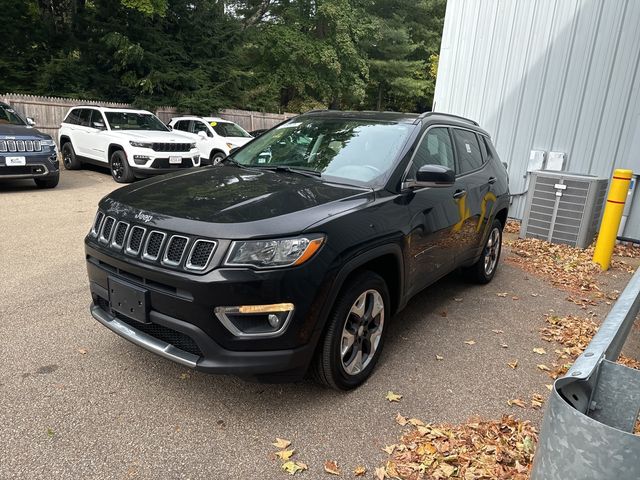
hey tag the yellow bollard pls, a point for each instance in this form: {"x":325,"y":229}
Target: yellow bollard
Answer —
{"x":611,"y":218}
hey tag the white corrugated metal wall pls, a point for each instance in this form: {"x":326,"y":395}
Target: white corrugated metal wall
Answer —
{"x":552,"y":75}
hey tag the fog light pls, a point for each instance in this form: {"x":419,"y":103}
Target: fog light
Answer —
{"x":255,"y":320}
{"x":141,"y":159}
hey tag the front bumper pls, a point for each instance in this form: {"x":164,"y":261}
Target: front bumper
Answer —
{"x":181,"y":314}
{"x":208,"y":356}
{"x":147,"y":161}
{"x":37,"y":165}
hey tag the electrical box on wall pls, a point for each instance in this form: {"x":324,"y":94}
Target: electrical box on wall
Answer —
{"x":556,"y":161}
{"x":536,"y":160}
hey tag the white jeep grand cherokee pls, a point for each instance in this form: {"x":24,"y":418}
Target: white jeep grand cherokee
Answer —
{"x":134,"y":143}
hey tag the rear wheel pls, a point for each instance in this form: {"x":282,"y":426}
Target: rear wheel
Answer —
{"x":352,"y":344}
{"x":485,"y":268}
{"x":69,"y":159}
{"x":47,"y":182}
{"x":120,"y":169}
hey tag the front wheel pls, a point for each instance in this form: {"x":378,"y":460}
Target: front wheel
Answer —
{"x":120,"y":169}
{"x":216,"y":158}
{"x":485,"y":268}
{"x":47,"y":182}
{"x":352,"y":344}
{"x":69,"y":159}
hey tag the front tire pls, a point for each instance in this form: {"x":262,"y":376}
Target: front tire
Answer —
{"x":485,"y":268}
{"x":216,"y":158}
{"x":120,"y":169}
{"x":353,"y":341}
{"x":69,"y":158}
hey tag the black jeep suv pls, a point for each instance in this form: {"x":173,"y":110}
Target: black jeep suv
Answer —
{"x":295,"y":253}
{"x":25,"y":152}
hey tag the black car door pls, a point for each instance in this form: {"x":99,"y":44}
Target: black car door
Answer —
{"x":434,"y":212}
{"x":479,"y":202}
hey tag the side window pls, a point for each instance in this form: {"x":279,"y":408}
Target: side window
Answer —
{"x":85,"y":117}
{"x":468,"y":149}
{"x":200,"y":127}
{"x":182,"y":125}
{"x":435,"y":149}
{"x":74,"y":117}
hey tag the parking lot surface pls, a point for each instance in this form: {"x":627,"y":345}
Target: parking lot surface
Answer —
{"x":77,"y":401}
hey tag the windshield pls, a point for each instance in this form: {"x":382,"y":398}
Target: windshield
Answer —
{"x":226,"y":129}
{"x":358,"y":151}
{"x":8,"y":116}
{"x":134,"y":121}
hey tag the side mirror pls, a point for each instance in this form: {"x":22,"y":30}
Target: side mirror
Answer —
{"x":432,"y":176}
{"x":99,"y":125}
{"x":31,"y":122}
{"x":202,"y":134}
{"x":169,"y":127}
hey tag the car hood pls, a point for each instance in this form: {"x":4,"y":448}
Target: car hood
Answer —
{"x":151,"y":136}
{"x":21,"y":131}
{"x":233,"y":202}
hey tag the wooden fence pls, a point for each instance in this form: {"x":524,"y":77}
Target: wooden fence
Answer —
{"x":48,"y":112}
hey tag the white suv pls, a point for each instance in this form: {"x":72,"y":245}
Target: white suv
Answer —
{"x":133,"y":143}
{"x":214,"y":137}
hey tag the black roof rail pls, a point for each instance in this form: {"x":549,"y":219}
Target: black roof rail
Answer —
{"x":457,"y":117}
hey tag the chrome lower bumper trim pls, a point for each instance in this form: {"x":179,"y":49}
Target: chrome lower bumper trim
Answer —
{"x":144,"y":340}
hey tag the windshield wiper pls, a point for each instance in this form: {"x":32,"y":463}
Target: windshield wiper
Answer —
{"x":300,"y":171}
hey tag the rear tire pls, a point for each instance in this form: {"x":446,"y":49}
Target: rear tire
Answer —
{"x":48,"y":182}
{"x":69,"y":158}
{"x":353,"y":341}
{"x":120,"y":169}
{"x":485,"y":268}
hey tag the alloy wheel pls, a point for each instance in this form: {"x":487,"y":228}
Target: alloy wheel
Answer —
{"x":116,"y":167}
{"x":492,"y":251}
{"x":362,"y":332}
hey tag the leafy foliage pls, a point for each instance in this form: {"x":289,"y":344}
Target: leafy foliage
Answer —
{"x":202,"y":55}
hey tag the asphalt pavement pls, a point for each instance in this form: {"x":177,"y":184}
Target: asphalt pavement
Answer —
{"x":77,"y":401}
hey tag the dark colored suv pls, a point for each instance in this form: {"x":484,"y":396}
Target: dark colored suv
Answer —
{"x":295,"y":253}
{"x":25,"y":152}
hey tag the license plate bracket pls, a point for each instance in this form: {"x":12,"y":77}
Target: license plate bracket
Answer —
{"x":129,"y":300}
{"x":15,"y":161}
{"x":175,"y":160}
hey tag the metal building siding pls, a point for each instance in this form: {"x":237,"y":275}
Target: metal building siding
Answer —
{"x":553,"y":75}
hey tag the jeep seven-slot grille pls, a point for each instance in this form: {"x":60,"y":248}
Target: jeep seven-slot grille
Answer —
{"x":107,"y":228}
{"x":200,"y":254}
{"x":175,"y":250}
{"x":135,"y":240}
{"x":171,"y":147}
{"x":120,"y":235}
{"x":154,"y":246}
{"x":20,"y":146}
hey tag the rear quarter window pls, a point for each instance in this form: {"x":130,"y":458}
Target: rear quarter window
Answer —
{"x":73,"y":117}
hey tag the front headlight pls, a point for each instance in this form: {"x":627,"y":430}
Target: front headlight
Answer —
{"x":230,"y":146}
{"x":133,"y":143}
{"x":286,"y":252}
{"x":47,"y":143}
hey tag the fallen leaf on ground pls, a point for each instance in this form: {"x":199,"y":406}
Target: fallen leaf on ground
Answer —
{"x":389,"y":449}
{"x":497,"y":332}
{"x":83,"y":351}
{"x":402,"y":421}
{"x":470,"y":342}
{"x":184,"y":376}
{"x":331,"y":467}
{"x":281,"y":443}
{"x":517,"y":402}
{"x":503,"y":294}
{"x":543,"y":367}
{"x":504,"y":345}
{"x":549,"y":387}
{"x":513,"y":364}
{"x":540,"y":351}
{"x":537,"y":400}
{"x":498,"y":449}
{"x":515,"y":297}
{"x":294,"y":467}
{"x":393,"y":397}
{"x":439,"y":357}
{"x":458,"y":299}
{"x":359,"y":471}
{"x":285,"y":454}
